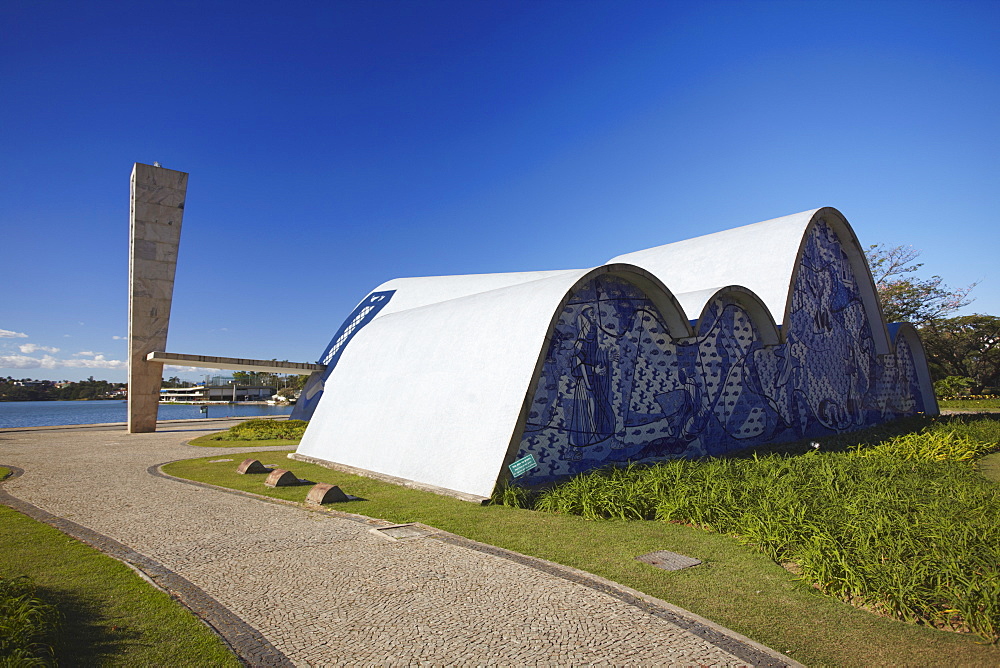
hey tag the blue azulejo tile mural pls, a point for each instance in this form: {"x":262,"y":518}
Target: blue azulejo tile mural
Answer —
{"x":615,"y":387}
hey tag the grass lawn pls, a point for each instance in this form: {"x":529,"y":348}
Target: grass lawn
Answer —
{"x":259,"y":431}
{"x":989,"y":466}
{"x":736,"y":586}
{"x":969,"y":404}
{"x":110,"y":616}
{"x":207,"y":442}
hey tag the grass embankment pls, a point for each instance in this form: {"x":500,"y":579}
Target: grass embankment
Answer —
{"x":107,"y":615}
{"x":26,"y":624}
{"x":990,"y":404}
{"x":255,"y":432}
{"x":907,"y":527}
{"x":737,"y":587}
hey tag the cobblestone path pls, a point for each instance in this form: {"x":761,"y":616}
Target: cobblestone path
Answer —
{"x":286,"y":586}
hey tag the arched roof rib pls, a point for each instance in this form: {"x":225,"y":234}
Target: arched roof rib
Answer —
{"x":745,"y":299}
{"x":459,"y":369}
{"x":905,"y":330}
{"x":760,"y":257}
{"x":763,"y":258}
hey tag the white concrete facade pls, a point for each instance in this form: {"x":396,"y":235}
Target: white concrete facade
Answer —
{"x":437,"y":387}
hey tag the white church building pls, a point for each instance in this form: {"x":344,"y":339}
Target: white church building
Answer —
{"x":762,"y":333}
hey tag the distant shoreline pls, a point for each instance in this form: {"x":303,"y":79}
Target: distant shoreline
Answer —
{"x":17,"y":401}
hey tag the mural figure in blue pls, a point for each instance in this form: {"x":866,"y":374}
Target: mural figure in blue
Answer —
{"x":615,"y":387}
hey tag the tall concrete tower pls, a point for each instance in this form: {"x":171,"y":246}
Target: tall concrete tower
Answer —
{"x":157,"y":208}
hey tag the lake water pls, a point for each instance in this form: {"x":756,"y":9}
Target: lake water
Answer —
{"x":51,"y":413}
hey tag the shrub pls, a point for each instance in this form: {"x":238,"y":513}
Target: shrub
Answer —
{"x":25,"y":623}
{"x":952,"y":386}
{"x":904,"y":526}
{"x":264,"y":430}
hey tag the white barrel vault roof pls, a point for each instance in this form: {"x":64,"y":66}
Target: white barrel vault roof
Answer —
{"x":760,"y":257}
{"x":433,"y":387}
{"x":432,"y":392}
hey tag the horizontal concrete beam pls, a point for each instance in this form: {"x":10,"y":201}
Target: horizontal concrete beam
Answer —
{"x":236,"y":364}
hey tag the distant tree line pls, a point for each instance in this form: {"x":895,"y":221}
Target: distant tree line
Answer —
{"x":28,"y":389}
{"x":264,"y":379}
{"x":962,"y":350}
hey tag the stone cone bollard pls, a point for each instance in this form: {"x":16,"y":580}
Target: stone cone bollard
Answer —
{"x":281,"y":478}
{"x":325,"y":493}
{"x":252,"y":466}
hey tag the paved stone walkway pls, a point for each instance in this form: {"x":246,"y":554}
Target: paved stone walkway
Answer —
{"x":288,"y":586}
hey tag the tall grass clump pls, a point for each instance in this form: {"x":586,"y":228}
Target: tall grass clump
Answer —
{"x":904,"y":526}
{"x":26,"y":622}
{"x":264,"y":430}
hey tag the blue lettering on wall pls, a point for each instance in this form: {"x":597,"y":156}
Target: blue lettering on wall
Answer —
{"x":359,"y":317}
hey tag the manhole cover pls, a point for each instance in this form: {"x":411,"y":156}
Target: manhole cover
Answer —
{"x":668,"y":561}
{"x":404,"y":531}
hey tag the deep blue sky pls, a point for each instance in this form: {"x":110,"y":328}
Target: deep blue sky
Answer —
{"x":335,"y":145}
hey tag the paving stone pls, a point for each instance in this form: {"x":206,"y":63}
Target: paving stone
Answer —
{"x":288,"y":586}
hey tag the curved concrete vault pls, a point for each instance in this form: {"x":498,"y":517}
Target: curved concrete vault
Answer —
{"x":676,"y":351}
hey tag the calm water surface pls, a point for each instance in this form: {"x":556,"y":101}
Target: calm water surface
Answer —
{"x":51,"y":413}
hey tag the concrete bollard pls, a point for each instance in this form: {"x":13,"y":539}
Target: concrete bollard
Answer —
{"x":281,"y":478}
{"x":325,"y":493}
{"x":252,"y":466}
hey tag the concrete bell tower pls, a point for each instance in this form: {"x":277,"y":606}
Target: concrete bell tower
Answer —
{"x":157,"y":209}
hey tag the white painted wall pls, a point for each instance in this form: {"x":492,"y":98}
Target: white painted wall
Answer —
{"x":431,"y":389}
{"x":432,"y":393}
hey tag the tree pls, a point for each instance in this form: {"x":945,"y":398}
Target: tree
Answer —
{"x":255,"y":378}
{"x":908,"y":298}
{"x":968,"y":346}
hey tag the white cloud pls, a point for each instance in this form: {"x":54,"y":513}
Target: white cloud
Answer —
{"x":7,"y":334}
{"x":118,"y":338}
{"x":173,"y":368}
{"x":29,"y":348}
{"x":86,"y":353}
{"x":19,"y":362}
{"x":97,"y":363}
{"x":50,"y":362}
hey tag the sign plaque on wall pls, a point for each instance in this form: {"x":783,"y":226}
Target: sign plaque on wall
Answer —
{"x":523,"y":465}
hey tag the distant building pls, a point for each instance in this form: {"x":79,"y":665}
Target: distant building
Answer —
{"x":217,"y":393}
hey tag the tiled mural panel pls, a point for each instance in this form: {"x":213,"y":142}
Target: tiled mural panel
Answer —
{"x":615,"y":387}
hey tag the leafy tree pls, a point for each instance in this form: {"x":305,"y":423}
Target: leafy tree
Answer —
{"x":952,"y":386}
{"x":968,"y":346}
{"x":242,"y":378}
{"x":906,"y":297}
{"x":261,"y":378}
{"x":286,"y":392}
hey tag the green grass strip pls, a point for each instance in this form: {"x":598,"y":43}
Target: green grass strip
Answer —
{"x":905,"y":526}
{"x":991,"y":404}
{"x":262,"y":429}
{"x":109,"y":616}
{"x":26,"y":624}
